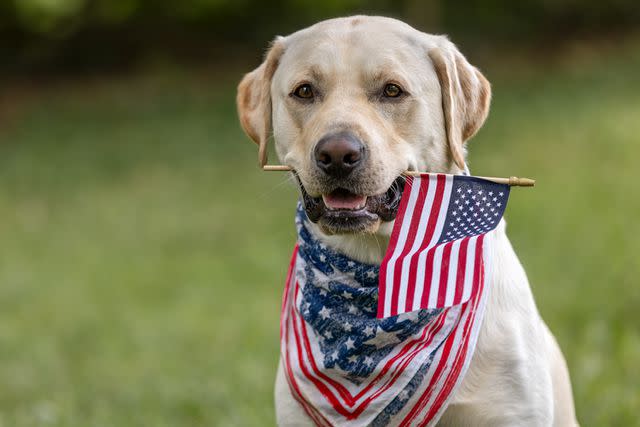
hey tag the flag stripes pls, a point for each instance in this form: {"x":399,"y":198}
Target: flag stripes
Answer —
{"x":436,"y":243}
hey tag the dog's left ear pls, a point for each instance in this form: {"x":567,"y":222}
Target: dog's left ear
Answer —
{"x":466,"y":95}
{"x":254,"y":98}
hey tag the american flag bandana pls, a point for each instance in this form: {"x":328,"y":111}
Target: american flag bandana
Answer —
{"x":348,"y":367}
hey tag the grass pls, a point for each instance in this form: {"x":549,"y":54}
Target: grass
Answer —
{"x":143,"y":254}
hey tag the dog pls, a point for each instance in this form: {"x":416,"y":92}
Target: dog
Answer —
{"x":352,"y":103}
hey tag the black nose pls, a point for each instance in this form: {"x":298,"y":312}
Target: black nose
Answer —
{"x":339,"y":154}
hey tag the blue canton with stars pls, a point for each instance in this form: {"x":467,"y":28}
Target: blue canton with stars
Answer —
{"x":475,"y":207}
{"x":339,"y":302}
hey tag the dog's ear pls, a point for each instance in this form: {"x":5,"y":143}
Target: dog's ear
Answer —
{"x":254,"y":97}
{"x":466,"y":95}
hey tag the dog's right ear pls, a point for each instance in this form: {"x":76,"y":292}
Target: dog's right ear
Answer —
{"x":254,"y":97}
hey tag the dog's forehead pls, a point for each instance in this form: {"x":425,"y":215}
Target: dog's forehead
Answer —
{"x":360,"y":41}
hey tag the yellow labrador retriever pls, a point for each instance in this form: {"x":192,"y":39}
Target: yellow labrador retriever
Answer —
{"x":352,"y":103}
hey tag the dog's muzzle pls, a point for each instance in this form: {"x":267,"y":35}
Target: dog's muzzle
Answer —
{"x":359,"y":215}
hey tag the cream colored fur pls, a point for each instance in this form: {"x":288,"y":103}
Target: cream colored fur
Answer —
{"x":517,"y":376}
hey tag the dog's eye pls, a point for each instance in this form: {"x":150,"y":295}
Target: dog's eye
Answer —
{"x":392,"y":90}
{"x":304,"y":91}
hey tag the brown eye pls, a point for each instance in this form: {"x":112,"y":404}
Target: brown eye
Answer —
{"x":304,"y":91}
{"x":392,"y":91}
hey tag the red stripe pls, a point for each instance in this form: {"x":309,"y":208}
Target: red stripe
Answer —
{"x":444,"y":273}
{"x":429,"y":287}
{"x":393,"y":241}
{"x":411,"y":235}
{"x":431,"y":226}
{"x":460,"y":273}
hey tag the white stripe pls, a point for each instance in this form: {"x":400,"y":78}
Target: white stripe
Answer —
{"x":402,"y":237}
{"x":453,"y":273}
{"x":435,"y":277}
{"x":422,"y":258}
{"x":425,"y":214}
{"x":469,"y":268}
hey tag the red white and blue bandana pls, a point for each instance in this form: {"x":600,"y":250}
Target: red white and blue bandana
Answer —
{"x":346,"y":366}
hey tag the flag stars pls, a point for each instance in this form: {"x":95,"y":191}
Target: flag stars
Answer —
{"x":353,"y":309}
{"x":369,"y":330}
{"x":325,"y":312}
{"x":352,"y":359}
{"x":350,"y":343}
{"x":347,"y":327}
{"x":347,"y":295}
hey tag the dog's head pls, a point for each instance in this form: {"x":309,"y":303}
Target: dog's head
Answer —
{"x":354,"y":102}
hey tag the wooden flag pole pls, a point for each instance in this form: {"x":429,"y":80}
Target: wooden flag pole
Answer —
{"x":512,"y":181}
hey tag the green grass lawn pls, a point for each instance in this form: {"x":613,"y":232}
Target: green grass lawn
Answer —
{"x":143,"y":254}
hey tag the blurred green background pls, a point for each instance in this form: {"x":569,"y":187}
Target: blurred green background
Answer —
{"x":142,"y":254}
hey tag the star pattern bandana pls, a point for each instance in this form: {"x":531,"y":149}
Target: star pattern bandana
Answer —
{"x":347,"y":367}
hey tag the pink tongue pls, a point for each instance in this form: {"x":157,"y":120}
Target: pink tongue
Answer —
{"x":344,"y":201}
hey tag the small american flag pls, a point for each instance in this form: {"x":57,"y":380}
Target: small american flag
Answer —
{"x":435,"y":254}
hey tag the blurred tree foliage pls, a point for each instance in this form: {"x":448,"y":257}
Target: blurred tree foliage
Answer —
{"x":85,"y":32}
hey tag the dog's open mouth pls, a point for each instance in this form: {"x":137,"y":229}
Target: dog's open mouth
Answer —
{"x":342,"y":211}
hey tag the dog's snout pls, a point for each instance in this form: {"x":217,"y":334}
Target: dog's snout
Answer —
{"x":339,"y":154}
